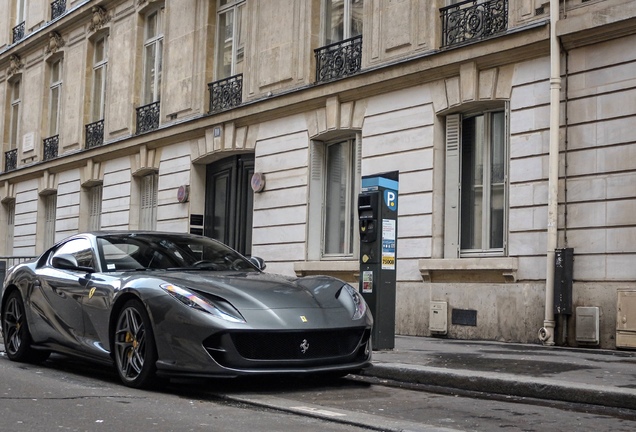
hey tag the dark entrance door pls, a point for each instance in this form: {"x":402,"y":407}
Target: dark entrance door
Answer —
{"x":229,"y":202}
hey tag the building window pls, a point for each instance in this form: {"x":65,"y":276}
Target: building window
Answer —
{"x":10,"y":211}
{"x":476,"y":184}
{"x":20,"y":18}
{"x":95,"y":129}
{"x":148,"y":202}
{"x":335,"y":180}
{"x":20,"y":11}
{"x":230,"y":50}
{"x":50,"y":209}
{"x":55,"y":90}
{"x":95,"y":207}
{"x":14,"y":125}
{"x":343,"y":20}
{"x":100,"y":62}
{"x":153,"y":56}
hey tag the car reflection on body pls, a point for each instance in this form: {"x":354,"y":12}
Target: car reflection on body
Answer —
{"x":160,"y":305}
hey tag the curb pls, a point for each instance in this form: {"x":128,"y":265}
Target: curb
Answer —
{"x":506,"y":384}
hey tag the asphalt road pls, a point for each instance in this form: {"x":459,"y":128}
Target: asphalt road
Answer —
{"x":66,"y":394}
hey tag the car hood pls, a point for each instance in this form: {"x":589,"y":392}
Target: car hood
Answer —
{"x":262,"y":290}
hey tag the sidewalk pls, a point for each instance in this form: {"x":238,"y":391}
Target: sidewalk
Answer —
{"x":582,"y":375}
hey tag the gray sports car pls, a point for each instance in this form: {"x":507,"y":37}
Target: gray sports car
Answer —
{"x":159,"y":305}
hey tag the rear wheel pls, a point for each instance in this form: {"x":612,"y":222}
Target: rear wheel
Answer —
{"x":15,"y":331}
{"x":135,"y":350}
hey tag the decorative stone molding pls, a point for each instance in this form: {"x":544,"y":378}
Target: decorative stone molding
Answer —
{"x":48,"y":183}
{"x":92,"y":174}
{"x":141,"y":3}
{"x":55,"y":43}
{"x":15,"y":64}
{"x":478,"y":270}
{"x":145,"y":162}
{"x":8,"y":193}
{"x":99,"y":19}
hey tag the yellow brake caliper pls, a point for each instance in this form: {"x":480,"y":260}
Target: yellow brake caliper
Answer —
{"x":130,"y":338}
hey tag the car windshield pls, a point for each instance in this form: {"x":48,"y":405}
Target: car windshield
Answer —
{"x":120,"y":252}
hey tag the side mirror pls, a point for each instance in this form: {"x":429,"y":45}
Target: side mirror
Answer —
{"x":258,"y":262}
{"x":68,"y":262}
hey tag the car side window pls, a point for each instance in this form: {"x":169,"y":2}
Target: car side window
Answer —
{"x":80,"y":249}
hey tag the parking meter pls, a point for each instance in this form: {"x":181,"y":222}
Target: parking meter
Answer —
{"x":377,"y":217}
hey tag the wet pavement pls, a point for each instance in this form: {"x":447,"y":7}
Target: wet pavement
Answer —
{"x":579,"y":375}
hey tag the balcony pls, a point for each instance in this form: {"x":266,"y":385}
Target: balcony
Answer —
{"x":226,"y":93}
{"x":148,"y":117}
{"x":94,"y":134}
{"x":10,"y":160}
{"x":18,"y":32}
{"x":50,"y":147}
{"x":58,"y":7}
{"x":339,"y":59}
{"x":473,"y":20}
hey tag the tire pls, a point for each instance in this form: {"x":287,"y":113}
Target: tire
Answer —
{"x":135,"y":350}
{"x":15,"y":331}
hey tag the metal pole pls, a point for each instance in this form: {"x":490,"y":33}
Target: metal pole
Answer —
{"x":546,"y":334}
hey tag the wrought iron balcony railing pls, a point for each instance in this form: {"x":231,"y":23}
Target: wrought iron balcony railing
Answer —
{"x":18,"y":32}
{"x":94,"y":134}
{"x":226,"y":93}
{"x":473,"y":20}
{"x":10,"y":160}
{"x":339,"y":59}
{"x":58,"y":7}
{"x":148,"y":117}
{"x":50,"y":147}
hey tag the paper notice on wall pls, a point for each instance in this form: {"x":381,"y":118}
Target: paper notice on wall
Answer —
{"x":388,"y":244}
{"x":367,"y":281}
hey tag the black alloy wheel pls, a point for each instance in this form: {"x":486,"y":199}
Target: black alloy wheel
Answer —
{"x":135,"y":350}
{"x":15,"y":330}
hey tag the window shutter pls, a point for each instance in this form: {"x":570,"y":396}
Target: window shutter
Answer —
{"x":50,"y":208}
{"x":314,"y":220}
{"x":451,"y":199}
{"x":95,"y":208}
{"x":148,"y":207}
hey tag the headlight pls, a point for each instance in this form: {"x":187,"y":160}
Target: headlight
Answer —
{"x":355,"y":300}
{"x":199,"y":303}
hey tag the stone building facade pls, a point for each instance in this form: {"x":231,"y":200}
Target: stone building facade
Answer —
{"x":151,"y":114}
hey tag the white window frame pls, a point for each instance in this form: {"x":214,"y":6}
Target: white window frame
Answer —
{"x":16,"y":106}
{"x":95,"y":194}
{"x":318,"y":224}
{"x":348,"y":30}
{"x":20,"y":11}
{"x":233,"y":8}
{"x":453,"y":190}
{"x":152,"y":69}
{"x":50,"y":211}
{"x":100,"y":66}
{"x":55,"y":88}
{"x":148,"y":186}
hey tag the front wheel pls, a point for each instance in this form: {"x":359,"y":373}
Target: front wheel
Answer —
{"x":15,"y":331}
{"x":135,"y":350}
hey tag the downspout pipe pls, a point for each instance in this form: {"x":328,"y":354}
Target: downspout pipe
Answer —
{"x":546,"y":333}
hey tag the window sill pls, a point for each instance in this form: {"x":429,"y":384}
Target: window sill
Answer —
{"x":348,"y":271}
{"x":481,"y":270}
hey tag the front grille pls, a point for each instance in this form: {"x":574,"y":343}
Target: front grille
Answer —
{"x":297,"y":345}
{"x":281,"y":349}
